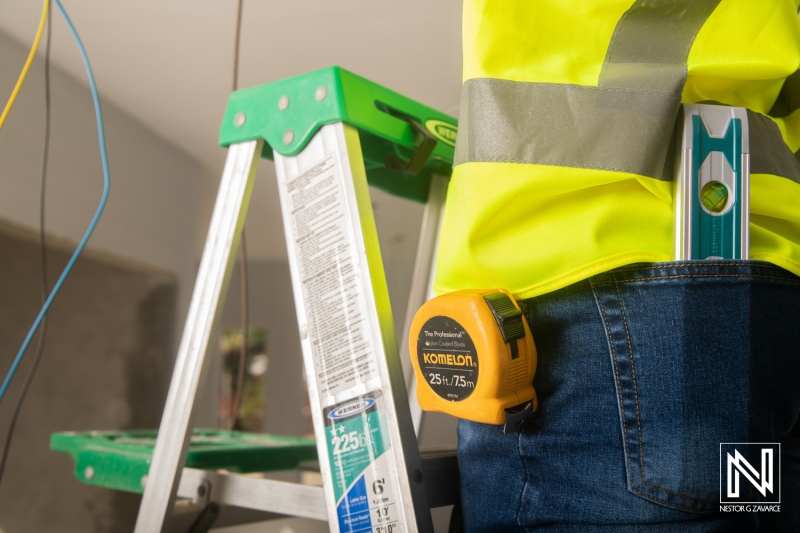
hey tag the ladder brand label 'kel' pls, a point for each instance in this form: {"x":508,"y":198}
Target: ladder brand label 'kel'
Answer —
{"x":443,"y":131}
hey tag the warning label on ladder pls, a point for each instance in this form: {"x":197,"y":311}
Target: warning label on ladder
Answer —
{"x":362,"y":474}
{"x":327,"y":257}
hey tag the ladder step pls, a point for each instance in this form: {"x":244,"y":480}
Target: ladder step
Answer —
{"x":121,"y":459}
{"x":439,"y":469}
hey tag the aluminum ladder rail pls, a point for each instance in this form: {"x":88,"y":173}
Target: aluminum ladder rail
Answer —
{"x":373,"y":476}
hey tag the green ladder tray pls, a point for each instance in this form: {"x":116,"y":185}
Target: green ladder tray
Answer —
{"x":121,"y":459}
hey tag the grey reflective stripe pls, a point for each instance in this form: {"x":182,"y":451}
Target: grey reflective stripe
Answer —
{"x":651,"y":43}
{"x":789,"y":98}
{"x":769,"y":154}
{"x":602,"y":128}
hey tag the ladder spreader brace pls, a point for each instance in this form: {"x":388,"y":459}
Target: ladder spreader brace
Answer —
{"x":330,"y":133}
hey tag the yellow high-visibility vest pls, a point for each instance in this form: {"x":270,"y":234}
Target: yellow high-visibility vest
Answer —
{"x":568,"y":108}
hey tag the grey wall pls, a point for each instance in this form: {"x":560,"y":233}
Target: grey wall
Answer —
{"x":154,"y":206}
{"x":111,"y":341}
{"x":272,"y":307}
{"x":109,"y":337}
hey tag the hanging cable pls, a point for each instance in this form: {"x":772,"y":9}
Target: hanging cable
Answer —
{"x":237,"y":392}
{"x":42,"y":249}
{"x":27,"y":65}
{"x":236,"y":44}
{"x":95,"y":219}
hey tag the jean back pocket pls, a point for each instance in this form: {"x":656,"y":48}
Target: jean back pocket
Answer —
{"x":697,"y":362}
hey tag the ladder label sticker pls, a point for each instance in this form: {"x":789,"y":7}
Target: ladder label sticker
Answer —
{"x":362,"y":474}
{"x":328,"y":267}
{"x":447,"y":358}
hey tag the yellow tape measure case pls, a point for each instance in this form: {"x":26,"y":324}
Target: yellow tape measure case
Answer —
{"x":474,"y":356}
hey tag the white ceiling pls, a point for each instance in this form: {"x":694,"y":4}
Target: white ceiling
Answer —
{"x":169,"y":63}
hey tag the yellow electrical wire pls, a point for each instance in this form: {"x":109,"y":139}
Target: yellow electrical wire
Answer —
{"x":27,"y":66}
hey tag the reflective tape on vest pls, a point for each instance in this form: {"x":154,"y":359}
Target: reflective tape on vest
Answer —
{"x":651,"y":42}
{"x":626,"y":130}
{"x":602,"y":128}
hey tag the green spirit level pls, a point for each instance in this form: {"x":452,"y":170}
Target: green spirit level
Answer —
{"x":712,"y":184}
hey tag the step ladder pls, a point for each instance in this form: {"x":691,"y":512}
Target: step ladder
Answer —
{"x":330,"y":134}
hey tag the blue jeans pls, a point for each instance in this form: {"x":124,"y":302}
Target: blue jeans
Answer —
{"x":643,"y":371}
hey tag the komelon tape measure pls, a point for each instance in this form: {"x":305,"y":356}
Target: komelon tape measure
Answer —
{"x":474,"y":357}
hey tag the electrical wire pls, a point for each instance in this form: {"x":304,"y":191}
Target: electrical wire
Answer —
{"x":236,"y":44}
{"x":28,"y":62}
{"x":95,"y":219}
{"x":237,"y":392}
{"x":42,"y":250}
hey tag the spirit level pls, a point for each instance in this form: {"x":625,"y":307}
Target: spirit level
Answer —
{"x":712,"y":183}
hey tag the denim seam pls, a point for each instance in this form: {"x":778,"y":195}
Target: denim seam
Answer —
{"x":624,"y":425}
{"x":791,"y":427}
{"x":619,"y":386}
{"x":631,"y":280}
{"x":694,"y":265}
{"x":635,"y":391}
{"x":638,"y":416}
{"x":525,"y":486}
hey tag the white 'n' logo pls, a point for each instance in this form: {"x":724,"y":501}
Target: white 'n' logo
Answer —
{"x":740,"y":464}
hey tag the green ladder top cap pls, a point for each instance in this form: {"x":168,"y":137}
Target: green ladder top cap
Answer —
{"x":121,"y":459}
{"x":287,"y":114}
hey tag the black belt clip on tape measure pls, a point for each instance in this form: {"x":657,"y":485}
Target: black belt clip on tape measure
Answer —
{"x":475,"y":358}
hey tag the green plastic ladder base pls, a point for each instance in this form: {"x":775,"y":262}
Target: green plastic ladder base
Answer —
{"x":121,"y":459}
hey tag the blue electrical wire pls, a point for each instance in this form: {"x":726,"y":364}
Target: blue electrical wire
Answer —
{"x":103,"y":200}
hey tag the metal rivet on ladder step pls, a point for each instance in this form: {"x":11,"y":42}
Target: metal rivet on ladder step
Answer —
{"x":417,"y":475}
{"x":88,"y":472}
{"x":288,"y":137}
{"x":283,"y":102}
{"x":321,"y":93}
{"x":238,"y":119}
{"x":143,"y":481}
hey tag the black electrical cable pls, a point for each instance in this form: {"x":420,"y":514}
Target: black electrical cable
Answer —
{"x":42,"y":251}
{"x":236,"y":44}
{"x":237,"y":391}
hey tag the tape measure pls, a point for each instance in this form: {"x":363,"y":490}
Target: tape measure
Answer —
{"x":474,"y":357}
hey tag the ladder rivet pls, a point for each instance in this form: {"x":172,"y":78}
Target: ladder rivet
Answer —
{"x":303,"y":332}
{"x":238,"y":119}
{"x":288,"y":137}
{"x":88,"y":472}
{"x":283,"y":102}
{"x":143,"y":481}
{"x":321,"y":93}
{"x":417,"y":475}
